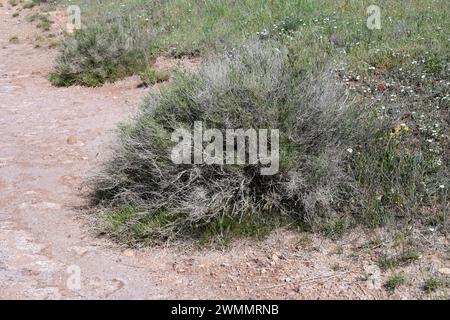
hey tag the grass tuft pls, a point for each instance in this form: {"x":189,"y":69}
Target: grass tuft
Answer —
{"x":395,"y":281}
{"x":151,"y":76}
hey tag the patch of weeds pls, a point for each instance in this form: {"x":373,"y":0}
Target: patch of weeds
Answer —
{"x":224,"y":228}
{"x":15,"y":14}
{"x":409,"y":256}
{"x":108,"y":54}
{"x":290,"y":24}
{"x":435,"y":64}
{"x":30,"y":4}
{"x":44,"y":23}
{"x":406,"y":257}
{"x":90,"y":79}
{"x":33,"y":17}
{"x":395,"y":281}
{"x":334,"y":228}
{"x":130,"y":225}
{"x":432,"y":284}
{"x":13,"y":3}
{"x":60,"y":80}
{"x":143,"y":225}
{"x":388,"y":263}
{"x":119,"y":217}
{"x":53,"y":45}
{"x":151,"y":76}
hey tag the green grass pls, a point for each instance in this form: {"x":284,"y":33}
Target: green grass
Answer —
{"x":223,"y":229}
{"x":32,"y":3}
{"x":151,"y":76}
{"x":44,"y":23}
{"x":29,"y":5}
{"x":199,"y":28}
{"x":395,"y":281}
{"x":433,"y":284}
{"x":142,"y":225}
{"x":219,"y":230}
{"x":404,"y":258}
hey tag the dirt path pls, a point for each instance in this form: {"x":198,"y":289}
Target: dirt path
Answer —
{"x":43,"y":239}
{"x":40,"y":173}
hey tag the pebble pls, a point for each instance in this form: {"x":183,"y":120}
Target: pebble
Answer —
{"x":128,"y":253}
{"x":72,"y":140}
{"x":445,"y":271}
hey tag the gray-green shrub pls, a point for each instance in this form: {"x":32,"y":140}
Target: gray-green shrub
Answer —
{"x":100,"y":53}
{"x":253,"y":87}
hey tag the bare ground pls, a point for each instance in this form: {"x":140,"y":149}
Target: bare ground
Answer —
{"x":51,"y":138}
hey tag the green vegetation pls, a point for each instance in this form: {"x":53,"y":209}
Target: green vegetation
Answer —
{"x":43,"y":21}
{"x":363,"y":114}
{"x":96,"y":56}
{"x":323,"y":28}
{"x":254,"y":87}
{"x":151,"y":76}
{"x":32,"y":3}
{"x":433,"y":284}
{"x":406,"y":257}
{"x":132,"y":226}
{"x":395,"y":281}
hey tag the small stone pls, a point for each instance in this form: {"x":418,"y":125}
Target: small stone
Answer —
{"x":275,"y":257}
{"x":128,"y":253}
{"x":72,"y":140}
{"x":444,"y":271}
{"x":46,"y":205}
{"x":80,"y":250}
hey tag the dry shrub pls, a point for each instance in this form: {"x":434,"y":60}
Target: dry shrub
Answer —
{"x":253,"y":87}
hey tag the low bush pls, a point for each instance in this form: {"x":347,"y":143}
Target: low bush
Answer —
{"x":253,"y":87}
{"x":362,"y":115}
{"x":343,"y":158}
{"x":101,"y":53}
{"x":151,"y":76}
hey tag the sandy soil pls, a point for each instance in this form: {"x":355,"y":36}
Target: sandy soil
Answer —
{"x":52,"y":137}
